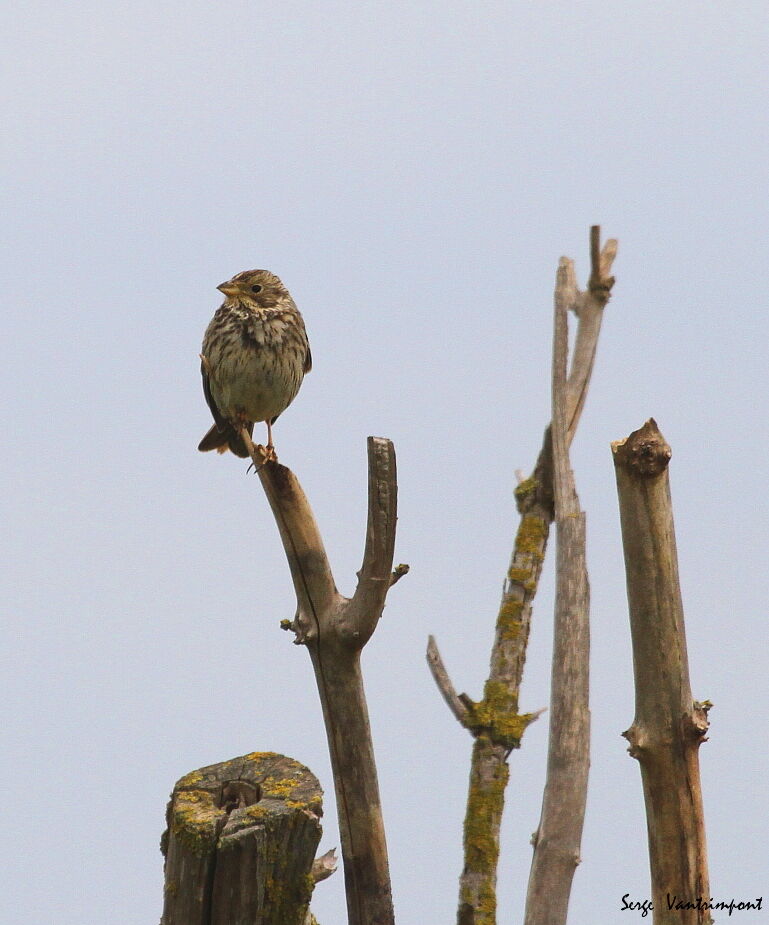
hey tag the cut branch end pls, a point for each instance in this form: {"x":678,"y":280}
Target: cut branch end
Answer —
{"x":398,"y":572}
{"x":644,"y":453}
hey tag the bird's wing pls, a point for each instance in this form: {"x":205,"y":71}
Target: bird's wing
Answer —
{"x":221,"y":423}
{"x":307,"y":365}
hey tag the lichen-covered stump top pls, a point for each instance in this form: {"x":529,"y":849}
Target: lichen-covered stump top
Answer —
{"x":240,"y":842}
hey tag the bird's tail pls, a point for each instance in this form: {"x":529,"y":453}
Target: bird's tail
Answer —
{"x":226,"y":439}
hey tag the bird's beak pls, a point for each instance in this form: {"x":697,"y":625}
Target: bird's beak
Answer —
{"x":228,"y":288}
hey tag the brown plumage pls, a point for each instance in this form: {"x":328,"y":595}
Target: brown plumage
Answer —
{"x":255,"y":354}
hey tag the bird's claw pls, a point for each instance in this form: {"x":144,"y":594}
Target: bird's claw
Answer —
{"x":267,"y":454}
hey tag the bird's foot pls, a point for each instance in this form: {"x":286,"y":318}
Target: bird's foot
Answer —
{"x":260,"y":456}
{"x":257,"y":453}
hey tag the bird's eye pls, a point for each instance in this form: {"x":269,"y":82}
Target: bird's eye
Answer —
{"x":256,"y":288}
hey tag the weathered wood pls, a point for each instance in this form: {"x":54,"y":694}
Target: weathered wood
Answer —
{"x":669,"y":725}
{"x":495,"y":721}
{"x":240,"y":843}
{"x":558,"y":836}
{"x":335,"y":629}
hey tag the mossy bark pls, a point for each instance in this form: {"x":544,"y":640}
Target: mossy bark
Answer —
{"x":240,"y":842}
{"x":485,"y":803}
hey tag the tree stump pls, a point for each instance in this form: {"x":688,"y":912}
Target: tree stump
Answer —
{"x":240,"y":843}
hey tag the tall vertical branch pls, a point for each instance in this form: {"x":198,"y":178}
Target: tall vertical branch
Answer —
{"x":588,"y":307}
{"x":335,"y":629}
{"x":495,"y":721}
{"x":669,"y":725}
{"x":558,"y":837}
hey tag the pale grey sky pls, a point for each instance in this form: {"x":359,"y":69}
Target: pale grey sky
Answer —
{"x":412,"y":172}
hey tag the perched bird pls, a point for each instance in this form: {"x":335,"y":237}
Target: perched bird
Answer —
{"x":255,"y":354}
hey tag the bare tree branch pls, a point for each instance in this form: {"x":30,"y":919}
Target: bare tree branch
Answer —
{"x":495,"y":720}
{"x":442,"y":679}
{"x":335,"y":629}
{"x":324,"y":866}
{"x":557,"y":841}
{"x":303,"y":544}
{"x":375,"y":576}
{"x":669,"y":725}
{"x":398,"y":572}
{"x":588,"y":307}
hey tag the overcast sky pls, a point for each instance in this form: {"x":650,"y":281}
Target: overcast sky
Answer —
{"x":412,"y":171}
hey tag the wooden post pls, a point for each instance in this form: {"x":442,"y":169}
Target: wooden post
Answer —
{"x":669,"y":725}
{"x":240,"y":843}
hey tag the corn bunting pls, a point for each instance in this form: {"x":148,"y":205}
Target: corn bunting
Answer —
{"x":254,"y":357}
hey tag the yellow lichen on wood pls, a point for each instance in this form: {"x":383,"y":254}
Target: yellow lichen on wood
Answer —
{"x":519,"y":575}
{"x":189,"y":779}
{"x":531,"y":536}
{"x":496,"y":715}
{"x":279,"y":788}
{"x":194,"y":820}
{"x":286,"y":899}
{"x":526,"y":489}
{"x":509,"y":619}
{"x":481,"y":841}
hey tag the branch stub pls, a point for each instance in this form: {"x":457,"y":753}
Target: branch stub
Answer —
{"x":645,"y":453}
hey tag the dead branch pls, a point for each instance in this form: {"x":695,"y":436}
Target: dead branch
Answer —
{"x":669,"y":726}
{"x":588,"y":307}
{"x":324,"y":866}
{"x":558,"y":837}
{"x":335,"y":629}
{"x":441,"y":678}
{"x":398,"y":572}
{"x":494,"y":721}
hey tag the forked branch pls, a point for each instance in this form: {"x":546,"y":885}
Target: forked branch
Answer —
{"x":335,"y":629}
{"x":494,"y":721}
{"x":558,"y":837}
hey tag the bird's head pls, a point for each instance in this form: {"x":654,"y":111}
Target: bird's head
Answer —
{"x":259,"y":286}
